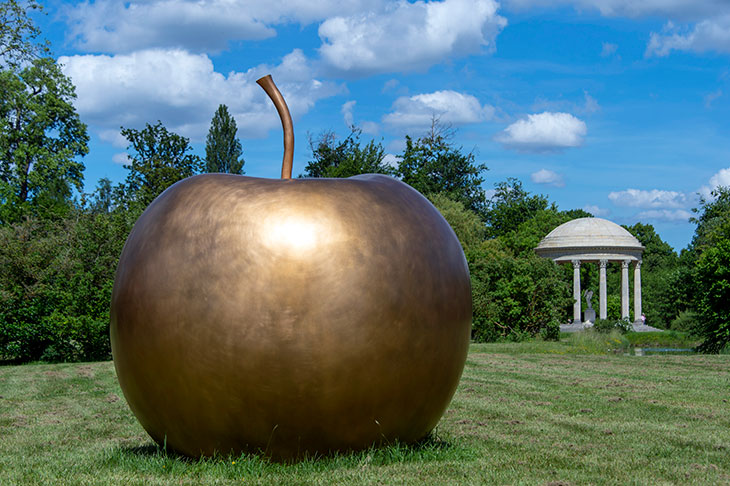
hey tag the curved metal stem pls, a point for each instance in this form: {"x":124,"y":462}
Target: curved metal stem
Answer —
{"x":268,"y":84}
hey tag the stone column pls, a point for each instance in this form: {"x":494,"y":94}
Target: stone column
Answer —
{"x":637,"y":291}
{"x":602,"y":312}
{"x":576,"y":291}
{"x":625,"y":289}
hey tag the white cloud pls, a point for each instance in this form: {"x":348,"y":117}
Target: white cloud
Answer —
{"x":347,"y":114}
{"x":710,"y":30}
{"x":545,"y":176}
{"x":608,"y":49}
{"x":449,"y":107}
{"x":681,"y":9}
{"x":544,"y":132}
{"x":721,"y":178}
{"x":183,"y":90}
{"x":711,"y":97}
{"x":596,"y":211}
{"x":121,"y":158}
{"x":672,"y":215}
{"x":114,"y":137}
{"x":391,"y":160}
{"x":649,"y":199}
{"x":407,"y":36}
{"x":591,"y":105}
{"x":708,"y":35}
{"x":369,"y":127}
{"x":112,"y":26}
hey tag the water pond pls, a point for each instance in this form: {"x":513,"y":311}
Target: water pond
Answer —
{"x":651,"y":351}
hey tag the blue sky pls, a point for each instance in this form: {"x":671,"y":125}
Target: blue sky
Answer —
{"x":618,"y":107}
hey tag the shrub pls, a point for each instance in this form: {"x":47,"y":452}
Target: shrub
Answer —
{"x":513,"y":298}
{"x":551,"y":332}
{"x":608,"y":325}
{"x":686,"y":321}
{"x":56,"y":280}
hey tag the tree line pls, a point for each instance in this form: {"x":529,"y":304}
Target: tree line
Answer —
{"x":59,"y":246}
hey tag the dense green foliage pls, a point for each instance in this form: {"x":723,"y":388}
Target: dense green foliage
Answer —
{"x":346,"y":158}
{"x":432,"y":165}
{"x":223,"y":151}
{"x":57,"y":268}
{"x":660,"y":277}
{"x":159,"y":159}
{"x":56,"y":280}
{"x":41,"y":138}
{"x":712,"y":270}
{"x":514,"y":297}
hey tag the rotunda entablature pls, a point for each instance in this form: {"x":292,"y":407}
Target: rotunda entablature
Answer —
{"x":566,"y":255}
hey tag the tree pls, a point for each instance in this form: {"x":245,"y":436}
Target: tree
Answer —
{"x":514,"y":297}
{"x":711,"y":276}
{"x":159,"y":160}
{"x":345,"y":158}
{"x":527,"y":235}
{"x":222,"y":148}
{"x":712,"y":219}
{"x":467,"y":225}
{"x":432,"y":165}
{"x":41,"y":136}
{"x":661,"y":287}
{"x":18,"y":34}
{"x":511,"y":205}
{"x":713,"y":295}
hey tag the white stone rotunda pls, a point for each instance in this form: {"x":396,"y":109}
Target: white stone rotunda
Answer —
{"x":596,"y":240}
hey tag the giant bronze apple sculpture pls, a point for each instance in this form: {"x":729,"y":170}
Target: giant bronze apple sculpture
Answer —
{"x":292,"y":316}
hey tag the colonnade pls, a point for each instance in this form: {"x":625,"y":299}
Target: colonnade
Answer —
{"x":602,"y":311}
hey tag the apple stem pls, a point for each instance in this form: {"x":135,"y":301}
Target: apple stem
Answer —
{"x":268,"y":84}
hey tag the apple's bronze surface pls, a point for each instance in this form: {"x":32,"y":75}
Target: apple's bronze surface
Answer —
{"x":289,"y":316}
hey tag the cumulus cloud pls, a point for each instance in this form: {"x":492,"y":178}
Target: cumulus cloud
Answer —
{"x":544,"y":132}
{"x":680,"y":9}
{"x":121,"y":158}
{"x":708,"y":28}
{"x":596,"y":211}
{"x":407,"y":36}
{"x":391,"y":160}
{"x":112,"y":26}
{"x":649,"y":199}
{"x":721,"y":178}
{"x":708,"y":35}
{"x":183,"y":90}
{"x":114,"y":137}
{"x":671,"y":215}
{"x":449,"y":107}
{"x":545,"y":176}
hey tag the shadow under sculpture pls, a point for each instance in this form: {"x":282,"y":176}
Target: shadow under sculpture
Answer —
{"x":292,"y":316}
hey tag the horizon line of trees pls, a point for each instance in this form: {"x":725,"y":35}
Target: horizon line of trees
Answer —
{"x":58,"y":253}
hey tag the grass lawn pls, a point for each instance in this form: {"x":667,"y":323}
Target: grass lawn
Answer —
{"x":527,"y":413}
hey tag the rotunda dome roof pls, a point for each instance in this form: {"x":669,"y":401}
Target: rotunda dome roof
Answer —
{"x":589,"y":233}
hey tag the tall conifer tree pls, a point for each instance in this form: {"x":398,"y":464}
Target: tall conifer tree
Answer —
{"x":222,"y":149}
